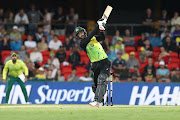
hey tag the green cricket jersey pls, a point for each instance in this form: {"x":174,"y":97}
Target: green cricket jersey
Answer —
{"x":15,"y":69}
{"x":95,"y":50}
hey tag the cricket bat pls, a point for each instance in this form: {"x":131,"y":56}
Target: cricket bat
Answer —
{"x":107,"y":12}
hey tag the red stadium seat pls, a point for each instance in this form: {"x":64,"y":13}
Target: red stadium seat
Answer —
{"x":142,"y":67}
{"x":29,"y":52}
{"x":66,"y":70}
{"x":40,"y":64}
{"x":137,"y":55}
{"x":67,"y":54}
{"x":5,"y":52}
{"x":173,"y":65}
{"x":69,"y":66}
{"x":82,"y":53}
{"x":110,"y":38}
{"x":24,"y":37}
{"x":156,"y":49}
{"x":173,"y":55}
{"x":129,"y":49}
{"x":137,"y":38}
{"x":46,"y":55}
{"x":139,"y":49}
{"x":66,"y":76}
{"x":155,"y":55}
{"x":84,"y":57}
{"x":156,"y":66}
{"x":80,"y":74}
{"x":4,"y":55}
{"x":62,"y":38}
{"x":45,"y":59}
{"x":131,"y":70}
{"x":85,"y":60}
{"x":80,"y":69}
{"x":174,"y":60}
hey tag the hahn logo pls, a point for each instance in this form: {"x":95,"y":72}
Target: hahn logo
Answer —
{"x":44,"y":94}
{"x":156,"y":96}
{"x":15,"y":94}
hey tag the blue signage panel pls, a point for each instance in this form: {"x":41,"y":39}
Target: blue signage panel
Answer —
{"x":81,"y":93}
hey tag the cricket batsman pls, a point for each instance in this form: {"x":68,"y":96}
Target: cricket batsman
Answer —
{"x":15,"y":69}
{"x":99,"y":59}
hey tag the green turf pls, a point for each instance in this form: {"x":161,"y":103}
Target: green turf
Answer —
{"x":85,"y":112}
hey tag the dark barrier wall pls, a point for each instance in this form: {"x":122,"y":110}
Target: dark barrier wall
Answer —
{"x":80,"y":93}
{"x":127,"y":11}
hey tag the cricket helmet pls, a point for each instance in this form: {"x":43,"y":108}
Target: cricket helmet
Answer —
{"x":79,"y":29}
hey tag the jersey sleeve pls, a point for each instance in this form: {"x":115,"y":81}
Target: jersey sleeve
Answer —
{"x":24,"y":67}
{"x":5,"y":70}
{"x":86,"y":40}
{"x":100,"y":37}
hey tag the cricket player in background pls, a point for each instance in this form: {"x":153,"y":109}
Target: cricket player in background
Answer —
{"x":15,"y":69}
{"x":99,"y":59}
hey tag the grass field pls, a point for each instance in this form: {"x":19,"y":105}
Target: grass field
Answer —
{"x":85,"y":112}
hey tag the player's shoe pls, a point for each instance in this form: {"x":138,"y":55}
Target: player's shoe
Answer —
{"x":95,"y":104}
{"x":99,"y":104}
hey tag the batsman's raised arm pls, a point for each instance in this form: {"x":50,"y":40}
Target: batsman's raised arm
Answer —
{"x":81,"y":33}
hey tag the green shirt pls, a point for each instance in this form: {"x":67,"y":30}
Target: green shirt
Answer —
{"x":95,"y":51}
{"x":13,"y":35}
{"x":119,"y":47}
{"x":15,"y":69}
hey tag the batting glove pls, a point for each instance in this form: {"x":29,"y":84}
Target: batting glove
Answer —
{"x":101,"y":22}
